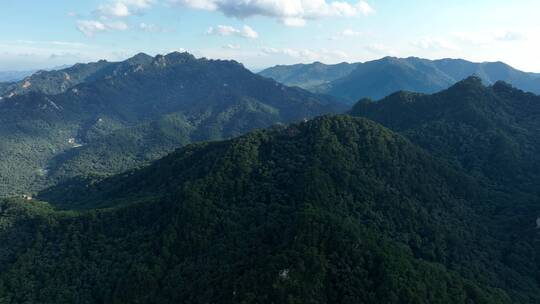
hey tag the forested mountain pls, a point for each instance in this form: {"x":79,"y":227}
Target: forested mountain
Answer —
{"x":379,"y":78}
{"x":491,"y":132}
{"x":110,"y":117}
{"x":333,"y":210}
{"x":308,"y":76}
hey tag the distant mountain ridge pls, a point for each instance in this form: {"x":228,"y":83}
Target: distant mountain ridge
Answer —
{"x":59,"y":80}
{"x":379,"y":78}
{"x":12,"y":76}
{"x":308,"y":76}
{"x":103,"y":118}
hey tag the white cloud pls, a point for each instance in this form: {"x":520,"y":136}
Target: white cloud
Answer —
{"x":111,"y":15}
{"x":117,"y":26}
{"x":122,"y":8}
{"x":346,"y":34}
{"x":250,"y":33}
{"x":281,"y":51}
{"x":52,"y":43}
{"x":351,"y":33}
{"x":489,"y":37}
{"x":116,"y":9}
{"x":296,"y":22}
{"x":139,"y":3}
{"x":39,"y":54}
{"x":231,"y":47}
{"x":290,"y":12}
{"x":92,"y":27}
{"x":151,"y":28}
{"x":380,"y":49}
{"x":226,"y":30}
{"x":510,"y":36}
{"x":208,"y":5}
{"x":307,"y":55}
{"x":435,"y":44}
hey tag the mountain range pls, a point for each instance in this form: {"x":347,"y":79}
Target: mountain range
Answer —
{"x":309,"y":76}
{"x":172,"y":179}
{"x":491,"y":132}
{"x":12,"y":77}
{"x":419,"y":207}
{"x":379,"y":78}
{"x":103,"y":118}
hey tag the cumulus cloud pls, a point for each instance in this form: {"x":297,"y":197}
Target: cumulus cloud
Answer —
{"x":92,"y":27}
{"x":122,"y":8}
{"x":226,"y":30}
{"x":116,"y":9}
{"x":290,"y":12}
{"x":110,"y":16}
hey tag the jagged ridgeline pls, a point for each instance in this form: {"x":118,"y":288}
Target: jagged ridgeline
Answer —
{"x":104,"y":118}
{"x":334,"y":210}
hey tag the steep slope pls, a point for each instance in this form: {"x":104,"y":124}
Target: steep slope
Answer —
{"x":334,"y":210}
{"x":490,"y":131}
{"x":308,"y":76}
{"x":380,"y":78}
{"x":125,"y":119}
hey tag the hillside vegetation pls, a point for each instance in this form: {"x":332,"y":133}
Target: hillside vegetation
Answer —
{"x":111,"y":117}
{"x":335,"y":210}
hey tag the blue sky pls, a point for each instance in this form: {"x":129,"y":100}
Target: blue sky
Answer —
{"x":259,"y":33}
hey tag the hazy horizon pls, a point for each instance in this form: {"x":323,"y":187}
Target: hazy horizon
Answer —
{"x":261,"y":34}
{"x":253,"y":69}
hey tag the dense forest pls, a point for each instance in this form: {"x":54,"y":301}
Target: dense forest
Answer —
{"x":491,"y":132}
{"x":333,"y":210}
{"x":107,"y":117}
